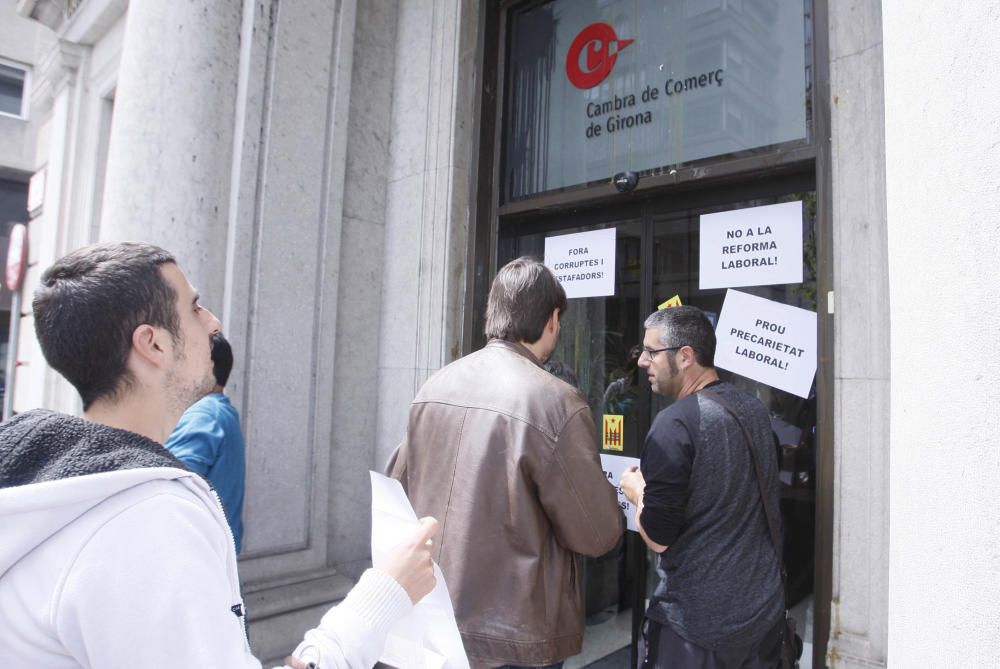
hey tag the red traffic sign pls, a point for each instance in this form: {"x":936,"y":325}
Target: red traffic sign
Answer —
{"x":17,"y":256}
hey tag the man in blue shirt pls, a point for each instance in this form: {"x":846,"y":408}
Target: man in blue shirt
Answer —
{"x":208,"y":440}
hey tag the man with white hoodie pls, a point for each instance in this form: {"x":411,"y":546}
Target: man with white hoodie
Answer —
{"x":113,"y":554}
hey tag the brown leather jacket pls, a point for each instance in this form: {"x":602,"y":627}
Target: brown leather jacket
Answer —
{"x":505,"y":456}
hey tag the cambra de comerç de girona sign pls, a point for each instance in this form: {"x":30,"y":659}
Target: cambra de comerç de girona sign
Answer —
{"x":596,"y":87}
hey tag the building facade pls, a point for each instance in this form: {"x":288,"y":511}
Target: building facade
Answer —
{"x":21,"y":40}
{"x":340,"y":180}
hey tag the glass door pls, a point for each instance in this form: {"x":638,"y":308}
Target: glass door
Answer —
{"x":657,"y":245}
{"x":675,"y":272}
{"x":599,"y":348}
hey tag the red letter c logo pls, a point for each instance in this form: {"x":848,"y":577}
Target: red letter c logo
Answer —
{"x":602,"y":46}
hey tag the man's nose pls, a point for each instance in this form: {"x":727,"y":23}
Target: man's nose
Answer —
{"x":214,"y":324}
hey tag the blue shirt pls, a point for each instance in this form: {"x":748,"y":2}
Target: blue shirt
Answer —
{"x":208,"y":441}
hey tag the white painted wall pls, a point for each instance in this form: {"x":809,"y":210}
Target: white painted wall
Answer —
{"x":942,"y":95}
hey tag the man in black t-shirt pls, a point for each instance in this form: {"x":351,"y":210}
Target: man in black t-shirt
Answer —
{"x":719,"y":603}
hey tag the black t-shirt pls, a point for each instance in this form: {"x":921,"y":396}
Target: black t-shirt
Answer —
{"x":720,"y":585}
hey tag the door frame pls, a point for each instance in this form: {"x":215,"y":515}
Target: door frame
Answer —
{"x":488,"y":215}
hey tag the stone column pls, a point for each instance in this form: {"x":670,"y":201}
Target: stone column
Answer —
{"x":170,"y":154}
{"x":860,"y":579}
{"x":427,"y":205}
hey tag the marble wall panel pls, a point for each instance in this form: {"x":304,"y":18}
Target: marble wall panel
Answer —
{"x":294,"y":260}
{"x":428,"y":197}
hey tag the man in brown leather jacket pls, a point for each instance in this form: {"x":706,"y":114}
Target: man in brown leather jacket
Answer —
{"x":506,"y":456}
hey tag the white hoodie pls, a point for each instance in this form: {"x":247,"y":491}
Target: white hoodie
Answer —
{"x":137,"y":567}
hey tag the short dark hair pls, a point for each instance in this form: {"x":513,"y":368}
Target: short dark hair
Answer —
{"x":222,"y":359}
{"x":88,"y":305}
{"x":685,"y":326}
{"x":522,"y":298}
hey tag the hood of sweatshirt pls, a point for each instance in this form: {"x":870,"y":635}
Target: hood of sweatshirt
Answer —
{"x":54,"y":468}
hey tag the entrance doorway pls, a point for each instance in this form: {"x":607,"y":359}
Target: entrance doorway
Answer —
{"x":657,"y":258}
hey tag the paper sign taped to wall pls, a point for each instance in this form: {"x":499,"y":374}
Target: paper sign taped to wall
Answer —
{"x":756,"y":246}
{"x":613,"y":466}
{"x":767,"y":341}
{"x":584,"y":262}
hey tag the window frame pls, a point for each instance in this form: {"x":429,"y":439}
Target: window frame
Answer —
{"x":25,"y":89}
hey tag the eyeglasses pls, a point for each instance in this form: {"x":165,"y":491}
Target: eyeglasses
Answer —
{"x":650,"y":352}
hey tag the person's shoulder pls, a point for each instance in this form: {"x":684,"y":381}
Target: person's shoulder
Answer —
{"x":224,"y":406}
{"x":555,"y":389}
{"x":445,"y":376}
{"x":210,"y":406}
{"x":173,"y":496}
{"x":682,"y":409}
{"x":730,"y":389}
{"x":675,"y":420}
{"x":161,"y":508}
{"x":203,"y":423}
{"x":495,"y":363}
{"x":741,"y":399}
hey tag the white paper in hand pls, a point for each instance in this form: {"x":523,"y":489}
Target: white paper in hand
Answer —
{"x":428,"y":637}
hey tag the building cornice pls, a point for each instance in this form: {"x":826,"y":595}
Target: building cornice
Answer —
{"x":76,"y":21}
{"x":51,"y":13}
{"x":54,"y":71}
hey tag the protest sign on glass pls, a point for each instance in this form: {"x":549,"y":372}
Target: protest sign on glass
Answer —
{"x":767,"y":341}
{"x":756,"y":246}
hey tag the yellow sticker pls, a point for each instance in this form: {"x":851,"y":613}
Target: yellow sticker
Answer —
{"x":613,"y":432}
{"x":674,"y":301}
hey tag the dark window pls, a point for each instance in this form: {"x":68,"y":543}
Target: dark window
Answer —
{"x":12,"y":89}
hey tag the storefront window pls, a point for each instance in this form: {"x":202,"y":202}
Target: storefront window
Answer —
{"x":598,"y":87}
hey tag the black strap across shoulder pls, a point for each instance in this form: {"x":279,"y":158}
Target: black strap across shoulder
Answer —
{"x":772,"y":523}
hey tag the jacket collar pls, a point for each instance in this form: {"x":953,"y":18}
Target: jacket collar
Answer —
{"x":514,"y":347}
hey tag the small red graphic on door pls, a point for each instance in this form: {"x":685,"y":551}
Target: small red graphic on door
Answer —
{"x":598,"y":46}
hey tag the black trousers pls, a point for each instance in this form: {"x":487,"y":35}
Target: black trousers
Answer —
{"x":665,"y":649}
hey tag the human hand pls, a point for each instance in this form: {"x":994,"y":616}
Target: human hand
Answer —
{"x":633,"y":484}
{"x":410,"y":561}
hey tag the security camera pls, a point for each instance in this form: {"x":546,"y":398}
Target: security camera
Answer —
{"x":626,"y":182}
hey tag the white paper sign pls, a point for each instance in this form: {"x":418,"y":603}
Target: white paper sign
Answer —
{"x":767,"y":341}
{"x":613,"y":466}
{"x":758,"y":246}
{"x":584,"y":262}
{"x":428,"y":637}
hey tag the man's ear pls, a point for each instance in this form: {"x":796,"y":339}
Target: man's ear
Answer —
{"x":553,"y":320}
{"x":147,"y":343}
{"x":687,"y":356}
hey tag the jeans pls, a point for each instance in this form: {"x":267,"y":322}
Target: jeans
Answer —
{"x":557,"y":665}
